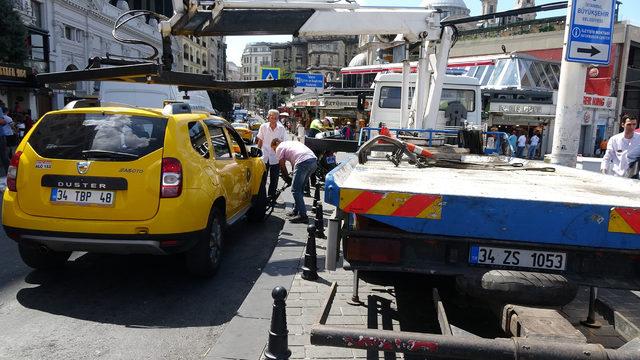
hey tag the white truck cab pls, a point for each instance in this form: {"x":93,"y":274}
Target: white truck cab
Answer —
{"x":460,"y":96}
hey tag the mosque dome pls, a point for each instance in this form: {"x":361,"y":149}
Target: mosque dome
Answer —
{"x":450,"y":7}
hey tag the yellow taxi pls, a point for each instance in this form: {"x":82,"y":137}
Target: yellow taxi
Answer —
{"x":130,"y":180}
{"x":245,"y":132}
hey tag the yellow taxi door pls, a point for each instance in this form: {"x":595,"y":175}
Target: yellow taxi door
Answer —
{"x":241,"y":156}
{"x":230,"y":173}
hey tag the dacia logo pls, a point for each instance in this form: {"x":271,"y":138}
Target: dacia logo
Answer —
{"x":83,"y":167}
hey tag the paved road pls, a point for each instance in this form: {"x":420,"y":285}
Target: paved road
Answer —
{"x":125,"y":307}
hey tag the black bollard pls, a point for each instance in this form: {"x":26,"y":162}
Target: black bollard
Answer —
{"x":278,"y":347}
{"x":310,"y":268}
{"x":316,"y":197}
{"x":320,"y":222}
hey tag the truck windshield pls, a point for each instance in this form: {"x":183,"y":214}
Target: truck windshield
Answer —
{"x":390,"y":98}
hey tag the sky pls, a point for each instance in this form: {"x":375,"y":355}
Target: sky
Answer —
{"x":236,"y":44}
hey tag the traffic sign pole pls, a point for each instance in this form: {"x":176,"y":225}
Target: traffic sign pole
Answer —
{"x":570,"y":109}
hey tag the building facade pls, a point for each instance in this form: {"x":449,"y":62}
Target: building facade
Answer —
{"x":18,"y":89}
{"x":203,"y":55}
{"x":254,"y":57}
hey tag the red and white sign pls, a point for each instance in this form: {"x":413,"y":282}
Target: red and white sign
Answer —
{"x":599,"y":102}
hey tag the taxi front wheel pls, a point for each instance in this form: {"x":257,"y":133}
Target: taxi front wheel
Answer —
{"x":203,"y":259}
{"x":38,"y":257}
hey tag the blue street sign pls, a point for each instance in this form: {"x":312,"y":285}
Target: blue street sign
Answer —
{"x":590,"y":31}
{"x":270,"y":73}
{"x":309,"y":83}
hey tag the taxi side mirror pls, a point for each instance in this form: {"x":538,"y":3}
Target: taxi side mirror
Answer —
{"x":236,"y":149}
{"x":255,"y":152}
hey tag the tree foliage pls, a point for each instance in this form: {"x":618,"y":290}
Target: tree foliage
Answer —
{"x":13,"y":35}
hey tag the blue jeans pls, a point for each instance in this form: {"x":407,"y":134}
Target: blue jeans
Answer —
{"x":520,"y":151}
{"x":532,"y":151}
{"x":301,"y":174}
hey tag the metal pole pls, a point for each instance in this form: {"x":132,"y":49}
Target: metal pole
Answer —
{"x":317,"y":106}
{"x":591,"y":316}
{"x":569,"y":110}
{"x":355,"y":299}
{"x":404,"y":100}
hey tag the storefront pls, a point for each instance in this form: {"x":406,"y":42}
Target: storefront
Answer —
{"x":598,"y":120}
{"x":524,"y":118}
{"x":18,"y":89}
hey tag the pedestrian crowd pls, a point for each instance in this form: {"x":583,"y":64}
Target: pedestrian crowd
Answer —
{"x":522,"y":145}
{"x":15,"y":123}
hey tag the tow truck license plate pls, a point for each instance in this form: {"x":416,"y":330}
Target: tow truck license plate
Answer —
{"x":531,"y":259}
{"x":82,"y":197}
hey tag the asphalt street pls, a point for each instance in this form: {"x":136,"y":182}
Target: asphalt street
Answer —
{"x":126,"y":307}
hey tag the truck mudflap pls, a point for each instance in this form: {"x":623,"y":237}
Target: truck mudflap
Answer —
{"x":465,"y":346}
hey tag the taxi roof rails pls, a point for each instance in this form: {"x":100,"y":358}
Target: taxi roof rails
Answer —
{"x":87,"y":103}
{"x":175,"y":107}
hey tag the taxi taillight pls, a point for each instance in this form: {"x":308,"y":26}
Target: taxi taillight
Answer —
{"x":12,"y":172}
{"x":171,"y":180}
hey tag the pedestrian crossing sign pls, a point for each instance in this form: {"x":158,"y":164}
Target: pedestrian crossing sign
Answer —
{"x":269,"y":73}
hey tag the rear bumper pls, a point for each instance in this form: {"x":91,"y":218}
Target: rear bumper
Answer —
{"x":449,"y":256}
{"x":106,"y":243}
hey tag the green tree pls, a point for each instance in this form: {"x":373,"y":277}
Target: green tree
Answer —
{"x":13,"y":35}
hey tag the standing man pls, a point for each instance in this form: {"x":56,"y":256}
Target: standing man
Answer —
{"x":304,"y":163}
{"x":533,"y":145}
{"x":522,"y":142}
{"x":268,"y":131}
{"x":615,"y":160}
{"x":513,"y":140}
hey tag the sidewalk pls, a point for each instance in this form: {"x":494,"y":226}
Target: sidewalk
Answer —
{"x":246,"y":335}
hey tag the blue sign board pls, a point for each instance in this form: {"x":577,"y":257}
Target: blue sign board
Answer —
{"x":590,"y":31}
{"x":270,"y":73}
{"x":309,"y":83}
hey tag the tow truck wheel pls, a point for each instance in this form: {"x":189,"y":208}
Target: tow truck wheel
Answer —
{"x":203,"y":259}
{"x":43,"y":259}
{"x":519,"y":287}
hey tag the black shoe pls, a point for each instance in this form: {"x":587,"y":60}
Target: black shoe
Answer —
{"x":291,"y":214}
{"x":299,"y":220}
{"x":307,"y":193}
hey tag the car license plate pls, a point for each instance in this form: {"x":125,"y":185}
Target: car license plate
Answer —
{"x":531,"y":259}
{"x":82,"y":197}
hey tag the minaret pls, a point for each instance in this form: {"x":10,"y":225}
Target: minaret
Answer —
{"x":525,"y":4}
{"x":489,"y":7}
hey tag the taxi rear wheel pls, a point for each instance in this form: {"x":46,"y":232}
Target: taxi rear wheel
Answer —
{"x":205,"y":256}
{"x":38,"y":257}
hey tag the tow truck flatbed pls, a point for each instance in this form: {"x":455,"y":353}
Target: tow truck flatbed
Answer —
{"x":535,"y":203}
{"x":486,"y":213}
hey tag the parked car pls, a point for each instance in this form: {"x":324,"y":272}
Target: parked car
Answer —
{"x":244,"y":131}
{"x":130,"y":180}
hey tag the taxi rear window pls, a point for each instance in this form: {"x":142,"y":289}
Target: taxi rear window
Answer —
{"x":115,"y":137}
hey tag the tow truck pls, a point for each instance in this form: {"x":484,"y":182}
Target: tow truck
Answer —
{"x":496,"y":227}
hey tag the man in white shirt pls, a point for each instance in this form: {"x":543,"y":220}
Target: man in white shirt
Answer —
{"x":615,"y":160}
{"x":533,"y":145}
{"x":522,"y":142}
{"x":268,"y":131}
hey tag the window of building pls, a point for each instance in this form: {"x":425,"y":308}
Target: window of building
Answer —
{"x":185,"y":49}
{"x":69,"y":33}
{"x":37,"y":14}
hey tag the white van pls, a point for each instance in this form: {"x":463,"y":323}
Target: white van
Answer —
{"x":152,"y":95}
{"x":460,"y":91}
